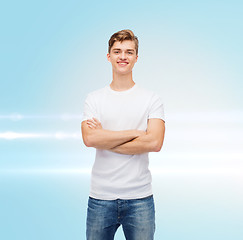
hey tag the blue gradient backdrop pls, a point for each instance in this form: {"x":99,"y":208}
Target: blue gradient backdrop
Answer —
{"x":52,"y":53}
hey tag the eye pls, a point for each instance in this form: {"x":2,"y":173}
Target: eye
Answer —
{"x":130,"y":53}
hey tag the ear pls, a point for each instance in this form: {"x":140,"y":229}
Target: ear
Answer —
{"x":136,"y":58}
{"x":108,"y":57}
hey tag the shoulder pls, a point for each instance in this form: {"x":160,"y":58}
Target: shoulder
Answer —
{"x":149,"y":93}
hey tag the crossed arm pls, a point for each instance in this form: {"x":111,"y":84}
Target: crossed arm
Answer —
{"x":124,"y":142}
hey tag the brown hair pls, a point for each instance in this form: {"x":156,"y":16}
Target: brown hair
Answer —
{"x":122,"y":36}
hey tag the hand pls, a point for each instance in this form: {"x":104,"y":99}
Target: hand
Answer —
{"x":94,"y":123}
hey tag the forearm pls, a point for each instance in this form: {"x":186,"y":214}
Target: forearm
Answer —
{"x":124,"y":142}
{"x":142,"y":144}
{"x":106,"y":139}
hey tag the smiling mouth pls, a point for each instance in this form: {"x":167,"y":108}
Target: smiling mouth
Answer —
{"x":123,"y":63}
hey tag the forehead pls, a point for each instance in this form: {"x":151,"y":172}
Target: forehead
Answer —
{"x":127,"y":44}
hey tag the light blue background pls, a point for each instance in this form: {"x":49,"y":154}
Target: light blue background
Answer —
{"x":52,"y":53}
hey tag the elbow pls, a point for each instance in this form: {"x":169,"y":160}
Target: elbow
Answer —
{"x":88,"y":141}
{"x":157,"y":145}
{"x":87,"y":135}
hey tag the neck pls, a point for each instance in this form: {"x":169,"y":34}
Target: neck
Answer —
{"x":122,"y":82}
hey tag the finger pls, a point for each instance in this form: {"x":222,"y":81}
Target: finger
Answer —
{"x":96,"y":120}
{"x":90,"y":121}
{"x":91,"y":124}
{"x":91,"y":127}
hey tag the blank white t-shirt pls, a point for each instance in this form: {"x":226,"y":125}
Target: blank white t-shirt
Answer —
{"x":117,"y":175}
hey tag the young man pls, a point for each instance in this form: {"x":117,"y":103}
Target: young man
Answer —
{"x":124,"y":123}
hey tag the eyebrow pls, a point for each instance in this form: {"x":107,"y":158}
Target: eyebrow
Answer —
{"x":115,"y":49}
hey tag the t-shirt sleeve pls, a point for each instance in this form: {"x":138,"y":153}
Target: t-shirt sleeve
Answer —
{"x":156,"y":108}
{"x":89,"y":110}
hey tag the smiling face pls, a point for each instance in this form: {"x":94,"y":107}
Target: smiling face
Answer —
{"x":122,"y":57}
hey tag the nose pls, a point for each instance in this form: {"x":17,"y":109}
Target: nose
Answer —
{"x":123,"y":55}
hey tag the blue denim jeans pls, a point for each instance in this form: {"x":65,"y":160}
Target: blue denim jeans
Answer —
{"x":137,"y":217}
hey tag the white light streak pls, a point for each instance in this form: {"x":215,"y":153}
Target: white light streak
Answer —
{"x":205,"y":117}
{"x":155,"y":171}
{"x":57,"y":135}
{"x":15,"y":135}
{"x":46,"y":171}
{"x":18,"y":117}
{"x":234,"y":116}
{"x":198,"y":171}
{"x":192,"y":156}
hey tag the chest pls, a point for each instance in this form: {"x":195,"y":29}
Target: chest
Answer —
{"x":124,"y":112}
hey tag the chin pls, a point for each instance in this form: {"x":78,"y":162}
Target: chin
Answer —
{"x":123,"y":72}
